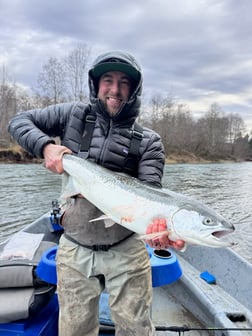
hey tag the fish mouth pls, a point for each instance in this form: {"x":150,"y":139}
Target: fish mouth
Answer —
{"x":221,"y":233}
{"x":217,"y":235}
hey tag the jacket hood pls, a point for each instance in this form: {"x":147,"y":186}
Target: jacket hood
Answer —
{"x":117,"y":61}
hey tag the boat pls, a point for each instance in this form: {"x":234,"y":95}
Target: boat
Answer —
{"x":202,"y":291}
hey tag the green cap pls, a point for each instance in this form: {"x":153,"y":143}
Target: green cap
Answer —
{"x":115,"y":65}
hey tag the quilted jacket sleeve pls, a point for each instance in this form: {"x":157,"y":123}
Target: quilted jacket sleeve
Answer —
{"x":35,"y":128}
{"x":151,"y":165}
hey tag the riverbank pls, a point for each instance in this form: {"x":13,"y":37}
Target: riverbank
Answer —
{"x":16,"y":154}
{"x":185,"y":158}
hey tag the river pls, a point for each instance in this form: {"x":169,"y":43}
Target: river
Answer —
{"x":27,"y":191}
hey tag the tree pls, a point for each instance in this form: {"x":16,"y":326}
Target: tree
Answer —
{"x":160,"y":113}
{"x":241,"y":147}
{"x":236,"y":127}
{"x":52,"y":81}
{"x":212,"y":132}
{"x":250,"y":146}
{"x":172,"y":121}
{"x":76,"y":64}
{"x":13,"y":98}
{"x":7,"y":103}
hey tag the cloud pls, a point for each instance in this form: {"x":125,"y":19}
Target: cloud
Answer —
{"x":200,"y":50}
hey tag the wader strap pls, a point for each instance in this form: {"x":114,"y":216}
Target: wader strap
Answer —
{"x":87,"y":135}
{"x":131,"y":163}
{"x":132,"y":158}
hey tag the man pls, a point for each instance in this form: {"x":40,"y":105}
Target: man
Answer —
{"x":91,"y":257}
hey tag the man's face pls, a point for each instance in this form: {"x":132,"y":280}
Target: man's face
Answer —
{"x":114,"y":90}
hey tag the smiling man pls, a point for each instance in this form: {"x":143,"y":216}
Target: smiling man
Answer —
{"x":92,"y":257}
{"x":114,"y":91}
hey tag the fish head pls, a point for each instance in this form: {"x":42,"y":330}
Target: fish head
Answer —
{"x":201,"y":227}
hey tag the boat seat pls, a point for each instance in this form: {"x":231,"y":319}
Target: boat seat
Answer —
{"x":22,"y":292}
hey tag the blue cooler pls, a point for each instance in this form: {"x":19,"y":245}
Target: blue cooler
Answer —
{"x":165,"y":267}
{"x":46,"y":268}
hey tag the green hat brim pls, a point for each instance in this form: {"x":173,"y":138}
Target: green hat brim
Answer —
{"x":102,"y":68}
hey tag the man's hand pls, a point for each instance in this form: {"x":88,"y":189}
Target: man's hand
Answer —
{"x":162,"y":242}
{"x":53,"y":155}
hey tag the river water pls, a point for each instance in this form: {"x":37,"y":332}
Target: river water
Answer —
{"x":27,"y":191}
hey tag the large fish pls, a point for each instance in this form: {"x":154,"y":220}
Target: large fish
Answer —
{"x":133,"y":204}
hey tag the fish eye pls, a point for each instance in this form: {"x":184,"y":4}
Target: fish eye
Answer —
{"x":208,"y":221}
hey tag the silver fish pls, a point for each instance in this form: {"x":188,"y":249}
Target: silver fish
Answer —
{"x":133,"y":204}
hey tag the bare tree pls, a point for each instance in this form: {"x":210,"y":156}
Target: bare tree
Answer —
{"x":183,"y":125}
{"x":172,"y":121}
{"x":52,"y":81}
{"x":76,"y":64}
{"x":160,"y":107}
{"x":216,"y":130}
{"x":13,"y":98}
{"x":156,"y":107}
{"x":7,"y":103}
{"x":236,"y":127}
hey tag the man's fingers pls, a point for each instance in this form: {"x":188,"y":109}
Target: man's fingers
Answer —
{"x":53,"y":155}
{"x":149,"y":229}
{"x":179,"y":244}
{"x":163,"y":241}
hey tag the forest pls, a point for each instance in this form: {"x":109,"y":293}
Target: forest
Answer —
{"x":216,"y":135}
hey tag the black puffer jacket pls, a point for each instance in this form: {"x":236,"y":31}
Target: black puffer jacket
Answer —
{"x":109,"y":147}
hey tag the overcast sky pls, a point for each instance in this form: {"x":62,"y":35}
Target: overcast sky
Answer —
{"x":198,"y":50}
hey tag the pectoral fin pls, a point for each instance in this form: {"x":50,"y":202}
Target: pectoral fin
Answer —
{"x":154,"y":235}
{"x":107,"y":221}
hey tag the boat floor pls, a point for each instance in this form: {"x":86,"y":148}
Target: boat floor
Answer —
{"x":169,"y":313}
{"x":220,"y":305}
{"x":168,"y":316}
{"x":172,"y":318}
